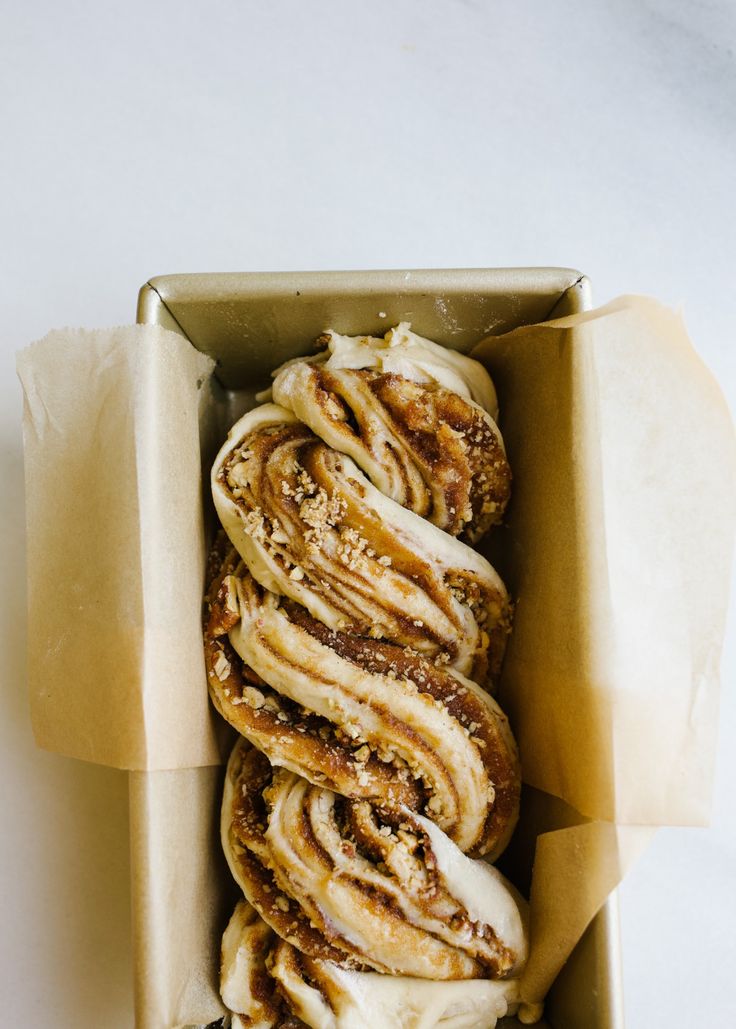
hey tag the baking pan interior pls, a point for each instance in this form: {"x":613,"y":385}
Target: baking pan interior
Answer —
{"x":251,"y":323}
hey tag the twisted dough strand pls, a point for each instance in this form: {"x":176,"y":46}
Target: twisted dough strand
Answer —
{"x":275,"y":985}
{"x":344,"y":881}
{"x":311,"y":527}
{"x":421,"y":445}
{"x":360,"y":716}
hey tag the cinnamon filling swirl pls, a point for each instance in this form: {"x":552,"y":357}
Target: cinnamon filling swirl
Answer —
{"x":310,"y":526}
{"x":269,"y":984}
{"x":360,"y":885}
{"x":430,"y":450}
{"x":362,"y":717}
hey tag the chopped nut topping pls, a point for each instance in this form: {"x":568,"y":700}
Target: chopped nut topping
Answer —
{"x":253,"y":697}
{"x":221,"y":667}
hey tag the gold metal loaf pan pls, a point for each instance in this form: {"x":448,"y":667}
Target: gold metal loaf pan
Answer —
{"x":250,"y":323}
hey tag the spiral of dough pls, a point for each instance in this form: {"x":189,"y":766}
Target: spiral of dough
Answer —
{"x":311,"y":527}
{"x":348,"y":882}
{"x":360,"y":716}
{"x":268,"y":983}
{"x":431,"y":450}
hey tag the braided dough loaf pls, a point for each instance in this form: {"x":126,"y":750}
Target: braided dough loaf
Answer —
{"x":350,"y":631}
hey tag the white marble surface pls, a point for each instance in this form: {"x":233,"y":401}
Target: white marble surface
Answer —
{"x":140,"y":139}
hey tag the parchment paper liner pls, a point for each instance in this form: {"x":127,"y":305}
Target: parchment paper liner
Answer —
{"x":618,"y":547}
